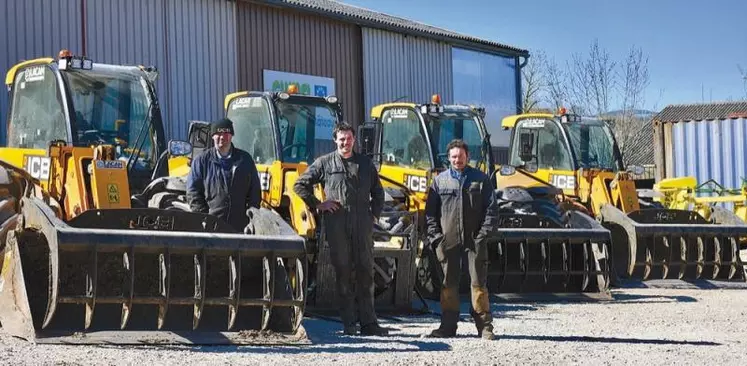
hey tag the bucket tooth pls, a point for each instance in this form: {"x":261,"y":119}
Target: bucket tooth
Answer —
{"x":128,"y":263}
{"x":234,"y":286}
{"x":268,"y":267}
{"x":91,"y":281}
{"x":701,"y":258}
{"x":586,"y":270}
{"x":716,"y":257}
{"x":299,"y":291}
{"x":566,"y":265}
{"x":200,"y":275}
{"x":733,"y":256}
{"x":648,"y":262}
{"x":54,"y":284}
{"x":666,"y":259}
{"x":545,"y":261}
{"x":164,"y":276}
{"x":683,"y":257}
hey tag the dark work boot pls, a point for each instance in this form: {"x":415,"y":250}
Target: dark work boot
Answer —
{"x":350,"y":330}
{"x":374,"y":330}
{"x":448,"y":327}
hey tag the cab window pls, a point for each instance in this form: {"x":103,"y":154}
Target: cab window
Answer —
{"x":37,"y":116}
{"x":113,"y":108}
{"x":252,"y":125}
{"x":550,"y":150}
{"x":403,"y":143}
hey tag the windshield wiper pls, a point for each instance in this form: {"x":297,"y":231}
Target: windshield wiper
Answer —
{"x":138,"y":144}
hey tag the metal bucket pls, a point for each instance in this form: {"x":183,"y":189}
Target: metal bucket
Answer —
{"x":151,"y":276}
{"x":530,"y":254}
{"x":673,"y":244}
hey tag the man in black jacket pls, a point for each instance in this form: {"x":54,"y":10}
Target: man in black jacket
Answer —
{"x":223,"y":180}
{"x":354,"y":200}
{"x":460,"y":213}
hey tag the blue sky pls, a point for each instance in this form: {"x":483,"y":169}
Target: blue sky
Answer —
{"x":693,"y":46}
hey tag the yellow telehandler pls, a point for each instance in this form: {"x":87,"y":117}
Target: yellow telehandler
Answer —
{"x":540,"y":248}
{"x":85,"y":261}
{"x":284,"y":132}
{"x":580,"y":156}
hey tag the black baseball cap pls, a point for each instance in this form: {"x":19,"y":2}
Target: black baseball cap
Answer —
{"x":224,"y":125}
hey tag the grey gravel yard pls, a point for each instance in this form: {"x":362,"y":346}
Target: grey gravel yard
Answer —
{"x":640,"y":326}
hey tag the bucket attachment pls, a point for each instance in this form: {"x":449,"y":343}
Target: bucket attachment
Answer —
{"x":673,"y":244}
{"x":531,"y":254}
{"x":144,"y":276}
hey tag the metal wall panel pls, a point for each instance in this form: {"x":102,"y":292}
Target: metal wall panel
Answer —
{"x":283,"y":40}
{"x":191,"y":42}
{"x":710,"y":150}
{"x":430,"y":69}
{"x":402,"y":67}
{"x":202,"y":57}
{"x":29,"y":32}
{"x":130,"y":33}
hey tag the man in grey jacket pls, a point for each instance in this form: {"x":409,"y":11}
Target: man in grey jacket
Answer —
{"x":354,"y":200}
{"x":460,"y":213}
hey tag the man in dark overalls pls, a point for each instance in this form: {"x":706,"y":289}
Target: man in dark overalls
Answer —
{"x":354,"y":200}
{"x":460,"y":214}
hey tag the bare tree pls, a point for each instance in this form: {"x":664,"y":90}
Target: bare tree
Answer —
{"x":557,"y":85}
{"x":633,"y":79}
{"x":534,"y":81}
{"x":591,"y":81}
{"x":743,"y":74}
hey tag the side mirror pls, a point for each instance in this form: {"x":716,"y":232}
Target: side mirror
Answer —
{"x":526,"y":139}
{"x":367,"y":137}
{"x":179,"y":148}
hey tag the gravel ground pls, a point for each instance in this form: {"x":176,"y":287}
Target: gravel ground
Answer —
{"x":641,"y":326}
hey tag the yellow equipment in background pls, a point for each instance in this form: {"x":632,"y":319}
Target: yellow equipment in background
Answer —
{"x":85,"y":261}
{"x":284,"y":132}
{"x":409,"y":142}
{"x":581,"y":157}
{"x":708,"y":199}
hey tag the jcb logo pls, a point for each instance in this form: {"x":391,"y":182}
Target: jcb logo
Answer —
{"x":563,"y":181}
{"x":416,"y":183}
{"x":37,"y":166}
{"x":264,"y":181}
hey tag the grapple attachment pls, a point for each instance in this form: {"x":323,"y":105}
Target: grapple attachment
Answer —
{"x":533,"y":254}
{"x":151,"y":276}
{"x":673,"y":244}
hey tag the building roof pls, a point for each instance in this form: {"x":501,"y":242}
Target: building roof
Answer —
{"x":702,"y":112}
{"x":640,"y":149}
{"x":373,"y":19}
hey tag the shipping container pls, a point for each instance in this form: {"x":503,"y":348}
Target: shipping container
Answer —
{"x":712,"y":149}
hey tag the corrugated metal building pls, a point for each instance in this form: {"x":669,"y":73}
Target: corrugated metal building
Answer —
{"x":705,"y":141}
{"x":206,"y":49}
